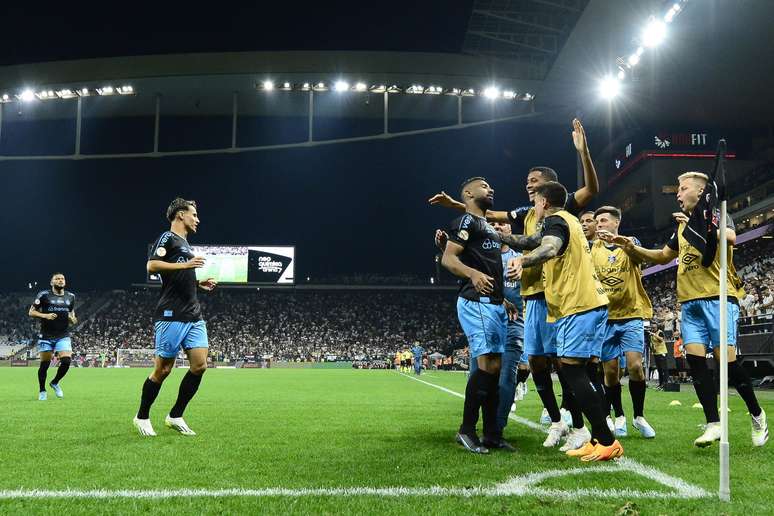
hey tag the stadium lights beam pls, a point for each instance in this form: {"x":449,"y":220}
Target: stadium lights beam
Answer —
{"x":26,"y":96}
{"x":267,"y":85}
{"x":654,"y":33}
{"x":286,"y":86}
{"x":609,"y":87}
{"x":509,"y":94}
{"x":491,"y":92}
{"x":360,"y":86}
{"x":306,"y":86}
{"x":5,"y":98}
{"x":341,"y":86}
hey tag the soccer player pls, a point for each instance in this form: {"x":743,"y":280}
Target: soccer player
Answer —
{"x":56,"y":310}
{"x":418,"y":351}
{"x":621,"y":279}
{"x":473,"y":253}
{"x":577,"y":304}
{"x":589,"y":225}
{"x":178,"y":320}
{"x":539,"y":335}
{"x":659,"y":349}
{"x":698,"y":291}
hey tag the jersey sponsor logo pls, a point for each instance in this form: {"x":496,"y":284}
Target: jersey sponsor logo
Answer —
{"x":612,"y":281}
{"x":490,"y":244}
{"x":37,"y":301}
{"x":689,"y":258}
{"x":514,"y":214}
{"x":463,"y":234}
{"x":168,"y":313}
{"x":162,"y":252}
{"x":466,"y":220}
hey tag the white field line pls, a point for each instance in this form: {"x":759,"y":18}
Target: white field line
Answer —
{"x":524,"y":485}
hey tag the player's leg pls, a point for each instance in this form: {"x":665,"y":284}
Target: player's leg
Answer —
{"x":63,"y":348}
{"x":736,"y":373}
{"x":521,"y":377}
{"x":569,"y":409}
{"x":507,"y":382}
{"x":45,"y":353}
{"x":637,"y":387}
{"x":611,"y":350}
{"x":168,"y":336}
{"x":196,"y":345}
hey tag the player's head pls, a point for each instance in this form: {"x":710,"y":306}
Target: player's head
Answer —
{"x":689,"y":189}
{"x":536,"y":177}
{"x":608,"y":219}
{"x":588,"y":224}
{"x":476,"y":191}
{"x":549,"y":196}
{"x":502,"y":227}
{"x":184,"y":211}
{"x":58,"y":281}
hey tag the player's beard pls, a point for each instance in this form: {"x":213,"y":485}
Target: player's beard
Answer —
{"x":58,"y":290}
{"x":484,"y":203}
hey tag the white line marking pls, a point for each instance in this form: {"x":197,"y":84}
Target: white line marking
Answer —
{"x":519,"y":485}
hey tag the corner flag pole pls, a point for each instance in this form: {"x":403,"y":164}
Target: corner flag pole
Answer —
{"x":725,"y":489}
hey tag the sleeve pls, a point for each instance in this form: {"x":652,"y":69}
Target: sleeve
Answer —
{"x":163,"y":247}
{"x":673,"y":244}
{"x":557,"y":227}
{"x":637,"y":241}
{"x":39,"y":300}
{"x":572,"y":205}
{"x":516,"y":218}
{"x":72,"y":302}
{"x":730,"y":223}
{"x":460,"y":230}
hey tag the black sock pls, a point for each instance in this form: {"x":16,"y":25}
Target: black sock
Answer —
{"x":42,"y":372}
{"x":705,"y":387}
{"x":637,"y":391}
{"x":188,"y":387}
{"x":489,"y":405}
{"x":590,"y":402}
{"x":475,"y":393}
{"x":150,"y":390}
{"x":613,"y":393}
{"x":741,"y":379}
{"x":64,"y":365}
{"x":598,"y":382}
{"x":522,"y":375}
{"x":569,"y":402}
{"x":545,"y":389}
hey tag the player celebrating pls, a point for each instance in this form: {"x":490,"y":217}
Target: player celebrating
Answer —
{"x":473,"y":253}
{"x":621,"y":278}
{"x":178,"y":317}
{"x":698,"y":291}
{"x":589,"y":226}
{"x":539,"y":335}
{"x":56,"y":310}
{"x":576,"y":302}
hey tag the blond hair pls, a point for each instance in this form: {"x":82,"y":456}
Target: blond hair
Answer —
{"x":694,"y":175}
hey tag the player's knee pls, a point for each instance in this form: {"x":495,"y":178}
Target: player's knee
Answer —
{"x":611,"y":375}
{"x":199,"y":368}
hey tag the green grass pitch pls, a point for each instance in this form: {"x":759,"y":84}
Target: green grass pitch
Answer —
{"x":331,"y":429}
{"x":225,"y":269}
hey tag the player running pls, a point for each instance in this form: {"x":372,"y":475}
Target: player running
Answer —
{"x":698,"y":291}
{"x":179,"y":323}
{"x":56,"y":310}
{"x":621,"y":278}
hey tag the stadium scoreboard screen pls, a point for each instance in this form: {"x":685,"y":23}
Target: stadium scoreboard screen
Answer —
{"x":243,"y":264}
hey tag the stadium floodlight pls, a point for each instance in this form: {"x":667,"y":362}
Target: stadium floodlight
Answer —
{"x":267,"y":85}
{"x":26,"y":96}
{"x":468,"y":92}
{"x":654,"y":33}
{"x":45,"y":94}
{"x":125,"y":90}
{"x":320,"y":86}
{"x":452,"y":91}
{"x":528,"y":97}
{"x":491,"y":92}
{"x":509,"y":94}
{"x":5,"y":98}
{"x":394,"y":89}
{"x":433,"y":90}
{"x":621,"y":74}
{"x":360,"y":86}
{"x":377,"y":88}
{"x":415,"y":88}
{"x":286,"y":86}
{"x":305,"y":87}
{"x":83,"y":92}
{"x":609,"y":87}
{"x":633,"y":59}
{"x":66,"y":93}
{"x":341,"y":86}
{"x":106,"y":90}
{"x":670,"y":15}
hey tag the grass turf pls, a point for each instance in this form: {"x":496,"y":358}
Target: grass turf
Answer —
{"x":305,"y":428}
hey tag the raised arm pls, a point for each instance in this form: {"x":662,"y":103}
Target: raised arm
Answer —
{"x":660,"y":256}
{"x":590,"y":181}
{"x":522,"y":243}
{"x":447,"y":201}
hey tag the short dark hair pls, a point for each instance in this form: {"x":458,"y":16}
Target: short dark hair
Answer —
{"x":467,"y":182}
{"x":548,"y":173}
{"x":581,"y":214}
{"x":57,"y":274}
{"x":179,"y":204}
{"x":611,"y":210}
{"x":553,"y":192}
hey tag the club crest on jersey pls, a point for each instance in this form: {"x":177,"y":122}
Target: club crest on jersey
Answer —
{"x":463,"y":234}
{"x":611,"y":258}
{"x":161,"y":252}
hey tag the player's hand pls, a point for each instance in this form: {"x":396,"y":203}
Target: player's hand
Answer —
{"x":511,"y":310}
{"x":73,"y":319}
{"x":209,"y":284}
{"x":514,"y":269}
{"x":619,"y":240}
{"x":440,"y":239}
{"x":51,"y":316}
{"x":196,"y":262}
{"x":579,"y":137}
{"x":483,"y":284}
{"x":679,"y":216}
{"x":443,"y":199}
